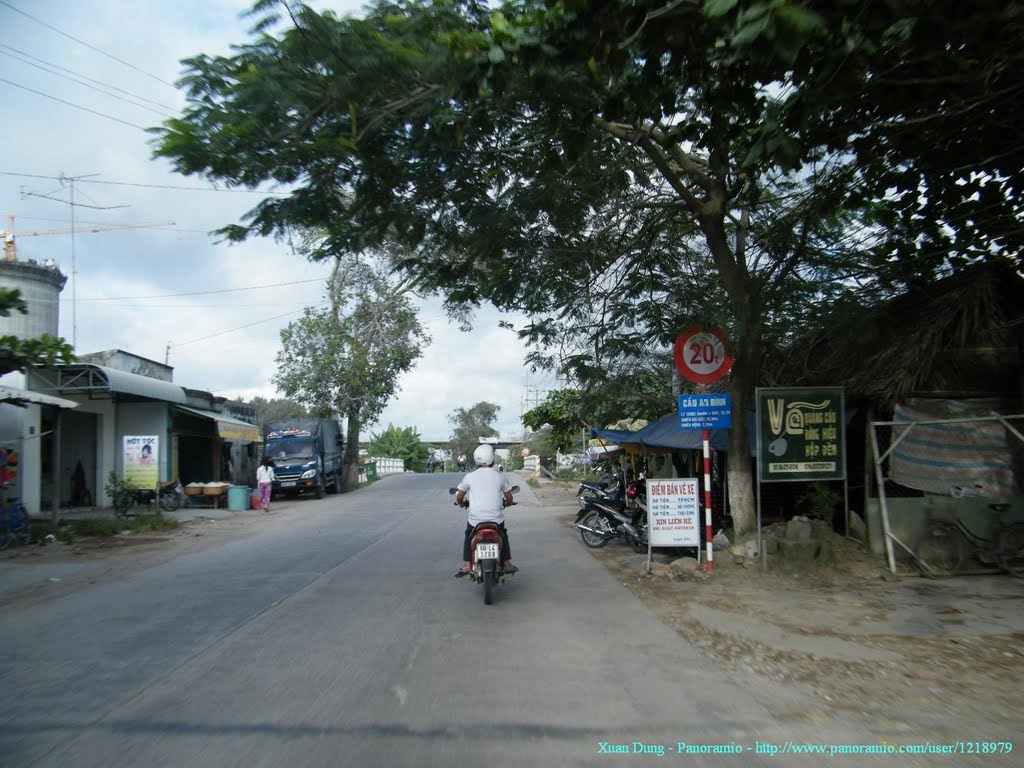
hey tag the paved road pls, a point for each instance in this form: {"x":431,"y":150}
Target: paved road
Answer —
{"x":337,"y":637}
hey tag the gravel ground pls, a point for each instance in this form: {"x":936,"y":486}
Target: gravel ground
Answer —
{"x":905,"y":656}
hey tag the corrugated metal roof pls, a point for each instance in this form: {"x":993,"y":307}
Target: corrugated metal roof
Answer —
{"x":141,"y":386}
{"x":228,"y":427}
{"x":22,"y":397}
{"x":91,"y":380}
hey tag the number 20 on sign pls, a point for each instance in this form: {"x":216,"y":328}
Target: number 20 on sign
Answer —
{"x":701,"y":355}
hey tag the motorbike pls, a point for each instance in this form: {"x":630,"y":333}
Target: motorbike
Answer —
{"x":601,"y":520}
{"x":609,"y":487}
{"x":170,"y":497}
{"x":173,"y":496}
{"x":485,"y":554}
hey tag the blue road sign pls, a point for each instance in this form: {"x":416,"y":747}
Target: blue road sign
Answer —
{"x":712,"y":411}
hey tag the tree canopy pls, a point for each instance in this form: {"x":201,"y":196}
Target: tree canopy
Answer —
{"x":470,"y":424}
{"x":345,"y":360}
{"x":400,"y":443}
{"x":617,"y":170}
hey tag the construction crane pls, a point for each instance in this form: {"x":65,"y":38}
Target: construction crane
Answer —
{"x":10,"y":249}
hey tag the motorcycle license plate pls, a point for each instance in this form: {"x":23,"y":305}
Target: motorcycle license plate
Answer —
{"x":486,"y":551}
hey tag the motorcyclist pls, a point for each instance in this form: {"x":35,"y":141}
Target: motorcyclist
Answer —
{"x":489,"y":492}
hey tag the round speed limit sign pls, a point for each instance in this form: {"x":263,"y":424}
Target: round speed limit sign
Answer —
{"x":701,"y":355}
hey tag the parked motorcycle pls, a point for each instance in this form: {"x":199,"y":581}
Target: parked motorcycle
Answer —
{"x":601,"y":520}
{"x":170,"y":497}
{"x":608,"y":487}
{"x":485,"y":566}
{"x":173,"y":496}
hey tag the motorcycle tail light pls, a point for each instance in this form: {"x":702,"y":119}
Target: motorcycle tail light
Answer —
{"x":631,"y":492}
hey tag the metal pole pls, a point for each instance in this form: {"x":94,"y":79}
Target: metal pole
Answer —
{"x":709,"y":535}
{"x":55,"y":499}
{"x":884,"y":509}
{"x":760,"y":544}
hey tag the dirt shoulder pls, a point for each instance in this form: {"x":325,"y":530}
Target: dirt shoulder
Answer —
{"x":905,"y":656}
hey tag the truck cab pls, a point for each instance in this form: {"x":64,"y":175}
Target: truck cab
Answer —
{"x":306,"y":456}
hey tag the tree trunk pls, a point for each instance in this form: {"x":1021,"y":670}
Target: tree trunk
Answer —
{"x":742,"y":502}
{"x":350,"y":462}
{"x":745,"y":373}
{"x":744,"y":290}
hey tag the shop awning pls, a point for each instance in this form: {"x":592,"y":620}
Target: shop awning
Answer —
{"x":23,"y":397}
{"x":100,"y":381}
{"x":228,"y":428}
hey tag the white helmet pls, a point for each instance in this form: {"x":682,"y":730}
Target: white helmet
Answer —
{"x":483,"y":455}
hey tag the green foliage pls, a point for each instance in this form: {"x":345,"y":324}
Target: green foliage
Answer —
{"x":541,"y":443}
{"x":468,"y":426}
{"x":121,"y":496}
{"x":562,"y":413}
{"x":18,"y":354}
{"x":10,"y":300}
{"x":617,"y":171}
{"x":400,"y":443}
{"x":274,"y":409}
{"x":820,"y":500}
{"x":346,"y":360}
{"x":69,"y":531}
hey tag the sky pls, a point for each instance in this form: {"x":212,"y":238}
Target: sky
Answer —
{"x":81,"y":80}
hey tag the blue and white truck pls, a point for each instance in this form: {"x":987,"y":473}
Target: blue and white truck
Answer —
{"x":307,"y":456}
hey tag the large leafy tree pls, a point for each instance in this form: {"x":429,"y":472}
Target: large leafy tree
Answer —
{"x":619,"y":169}
{"x":469,"y":425}
{"x":345,"y":360}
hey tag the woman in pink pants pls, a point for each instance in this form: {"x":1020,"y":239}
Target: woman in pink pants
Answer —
{"x":264,"y":480}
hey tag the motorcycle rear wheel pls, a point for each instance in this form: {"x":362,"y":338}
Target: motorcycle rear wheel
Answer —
{"x":593,"y":519}
{"x":487,"y":572}
{"x":170,"y":502}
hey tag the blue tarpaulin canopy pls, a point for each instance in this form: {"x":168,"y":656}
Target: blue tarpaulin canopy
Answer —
{"x":666,"y":434}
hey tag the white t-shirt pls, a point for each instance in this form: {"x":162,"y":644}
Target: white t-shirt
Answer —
{"x":485,"y":489}
{"x":264,"y":474}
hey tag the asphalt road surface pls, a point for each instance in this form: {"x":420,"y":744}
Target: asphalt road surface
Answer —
{"x":336,"y":636}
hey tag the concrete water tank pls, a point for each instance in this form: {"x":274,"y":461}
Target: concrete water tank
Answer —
{"x":40,"y":287}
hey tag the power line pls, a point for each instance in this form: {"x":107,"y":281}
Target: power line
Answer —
{"x":101,"y":87}
{"x":87,"y":45}
{"x":232,"y":330}
{"x":69,"y":103}
{"x":149,"y":186}
{"x":203,"y":293}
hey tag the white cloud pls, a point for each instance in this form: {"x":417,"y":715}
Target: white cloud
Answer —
{"x":223,"y":342}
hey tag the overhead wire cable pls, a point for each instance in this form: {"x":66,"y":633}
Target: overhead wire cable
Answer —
{"x":99,"y":87}
{"x":203,"y":293}
{"x":149,"y":186}
{"x":232,"y":330}
{"x":87,"y":45}
{"x":71,"y":104}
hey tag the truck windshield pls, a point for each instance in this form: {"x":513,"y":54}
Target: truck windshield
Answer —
{"x":291,"y":449}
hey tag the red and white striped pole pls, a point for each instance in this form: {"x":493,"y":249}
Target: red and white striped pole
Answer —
{"x":707,"y":501}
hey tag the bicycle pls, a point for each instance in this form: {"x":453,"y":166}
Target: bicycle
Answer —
{"x":942,"y":550}
{"x":15,"y":527}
